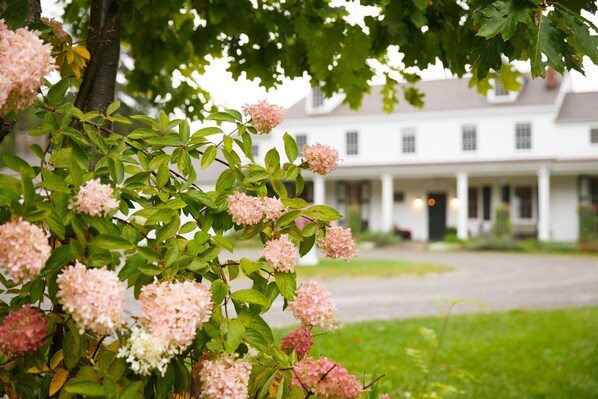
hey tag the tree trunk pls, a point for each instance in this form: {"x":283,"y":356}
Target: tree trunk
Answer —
{"x":103,"y":42}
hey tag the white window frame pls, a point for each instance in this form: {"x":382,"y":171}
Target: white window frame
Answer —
{"x":523,"y":136}
{"x":352,"y":143}
{"x":408,"y":141}
{"x":469,"y":138}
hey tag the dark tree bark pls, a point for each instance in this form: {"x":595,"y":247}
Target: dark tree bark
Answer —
{"x":34,"y":12}
{"x":99,"y":80}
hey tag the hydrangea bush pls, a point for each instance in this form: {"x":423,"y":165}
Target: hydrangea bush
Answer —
{"x":102,"y":212}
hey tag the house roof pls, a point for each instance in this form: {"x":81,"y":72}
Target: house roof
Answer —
{"x":579,"y":107}
{"x":440,"y":95}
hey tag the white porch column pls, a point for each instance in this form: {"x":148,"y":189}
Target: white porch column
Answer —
{"x":319,"y":190}
{"x":543,"y":204}
{"x":387,"y":203}
{"x":462,"y":197}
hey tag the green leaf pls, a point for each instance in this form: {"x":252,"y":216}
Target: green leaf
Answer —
{"x":323,"y":213}
{"x":113,"y":107}
{"x":163,"y":175}
{"x":503,"y":18}
{"x":71,"y":346}
{"x":234,"y":335}
{"x":279,"y":188}
{"x":106,"y":241}
{"x":57,"y":92}
{"x":87,"y":388}
{"x":250,"y":296}
{"x":208,"y":157}
{"x":221,"y":116}
{"x":248,"y":266}
{"x":287,"y":284}
{"x":184,"y":132}
{"x":132,"y":390}
{"x":306,"y":245}
{"x":288,"y":218}
{"x":546,"y":41}
{"x":219,"y":290}
{"x":15,"y":163}
{"x":60,"y":257}
{"x":15,"y":13}
{"x":290,"y":147}
{"x":272,"y":160}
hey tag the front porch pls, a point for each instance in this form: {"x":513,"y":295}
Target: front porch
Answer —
{"x":543,"y":204}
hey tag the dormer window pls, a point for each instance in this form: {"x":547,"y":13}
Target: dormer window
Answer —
{"x":317,"y":103}
{"x":317,"y":97}
{"x":499,"y":90}
{"x":498,"y":93}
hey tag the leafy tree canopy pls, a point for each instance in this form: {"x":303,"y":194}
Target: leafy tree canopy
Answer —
{"x":272,"y":39}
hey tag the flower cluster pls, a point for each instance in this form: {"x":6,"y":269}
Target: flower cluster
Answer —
{"x":281,"y":254}
{"x":224,"y":378}
{"x":174,"y":310}
{"x":338,"y":243}
{"x":23,"y":331}
{"x":326,"y":379}
{"x":95,"y":198}
{"x":321,"y":159}
{"x":146,"y":352}
{"x":313,"y":306}
{"x":94,"y":297}
{"x":264,"y":116}
{"x":299,"y":340}
{"x":24,"y":249}
{"x":273,"y":209}
{"x":248,"y":210}
{"x":24,"y":61}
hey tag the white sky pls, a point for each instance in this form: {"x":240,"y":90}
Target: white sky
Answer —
{"x":233,"y":94}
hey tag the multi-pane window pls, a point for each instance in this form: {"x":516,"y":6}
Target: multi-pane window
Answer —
{"x":524,"y":195}
{"x":472,"y":203}
{"x":399,"y":196}
{"x":255,"y":150}
{"x":408,"y":140}
{"x":470,"y":138}
{"x":317,"y":97}
{"x":523,"y":136}
{"x":301,"y":140}
{"x":499,"y":90}
{"x":352,"y":143}
{"x":594,"y":136}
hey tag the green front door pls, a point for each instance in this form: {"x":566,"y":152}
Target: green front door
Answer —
{"x":436,"y":216}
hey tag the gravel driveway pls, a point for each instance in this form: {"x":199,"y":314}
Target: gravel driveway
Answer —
{"x":500,"y":281}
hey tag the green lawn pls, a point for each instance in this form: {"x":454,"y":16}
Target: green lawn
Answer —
{"x":329,"y":268}
{"x":524,"y":355}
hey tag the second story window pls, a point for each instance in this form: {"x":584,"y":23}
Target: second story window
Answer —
{"x":352,"y":143}
{"x":408,"y":141}
{"x":301,"y":140}
{"x":317,"y":97}
{"x":594,"y":136}
{"x":469,"y":138}
{"x":523,"y":136}
{"x":255,"y":150}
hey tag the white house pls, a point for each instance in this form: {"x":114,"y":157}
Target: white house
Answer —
{"x":453,"y":162}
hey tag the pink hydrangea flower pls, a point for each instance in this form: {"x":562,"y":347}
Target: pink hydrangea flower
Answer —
{"x":313,"y":306}
{"x":273,"y":209}
{"x":326,"y":379}
{"x":264,"y":116}
{"x":385,"y":396}
{"x":300,"y":340}
{"x":24,"y":249}
{"x":24,"y":61}
{"x":23,"y":331}
{"x":281,"y":254}
{"x":245,"y":209}
{"x":338,"y":243}
{"x":321,"y":159}
{"x":145,"y":352}
{"x":95,"y":298}
{"x":174,"y":310}
{"x":95,"y":198}
{"x":224,"y":378}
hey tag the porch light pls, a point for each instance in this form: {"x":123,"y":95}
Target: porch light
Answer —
{"x":418,"y":203}
{"x":455,"y":203}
